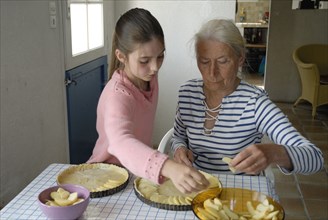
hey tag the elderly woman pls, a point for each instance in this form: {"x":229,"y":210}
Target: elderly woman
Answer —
{"x":221,"y":115}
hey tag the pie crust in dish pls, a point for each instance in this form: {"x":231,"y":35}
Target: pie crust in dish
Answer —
{"x":100,"y":179}
{"x":167,"y":196}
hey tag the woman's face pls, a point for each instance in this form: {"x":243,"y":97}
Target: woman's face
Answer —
{"x":218,"y":64}
{"x":145,"y":61}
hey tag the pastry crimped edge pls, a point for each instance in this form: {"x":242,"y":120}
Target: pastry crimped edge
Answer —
{"x":108,"y":188}
{"x":175,"y":203}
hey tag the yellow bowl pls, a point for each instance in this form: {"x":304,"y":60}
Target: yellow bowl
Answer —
{"x":235,"y":199}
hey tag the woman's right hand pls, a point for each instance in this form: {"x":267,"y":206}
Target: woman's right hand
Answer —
{"x":184,"y":155}
{"x":186,"y":179}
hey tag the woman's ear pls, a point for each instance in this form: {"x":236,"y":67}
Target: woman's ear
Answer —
{"x":241,"y":60}
{"x":120,"y":56}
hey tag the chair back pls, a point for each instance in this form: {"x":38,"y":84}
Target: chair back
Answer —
{"x":165,"y":144}
{"x":308,"y":71}
{"x":312,"y":64}
{"x":313,"y":54}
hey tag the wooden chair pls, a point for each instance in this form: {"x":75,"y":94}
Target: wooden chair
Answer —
{"x":312,"y":64}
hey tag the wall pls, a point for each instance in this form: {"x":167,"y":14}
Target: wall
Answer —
{"x":288,"y":30}
{"x":33,"y":109}
{"x":252,"y":10}
{"x":180,"y":20}
{"x":33,"y":120}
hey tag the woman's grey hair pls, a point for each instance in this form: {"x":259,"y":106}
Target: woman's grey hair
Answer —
{"x":224,"y":31}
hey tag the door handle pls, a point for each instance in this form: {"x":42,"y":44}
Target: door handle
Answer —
{"x":69,"y":82}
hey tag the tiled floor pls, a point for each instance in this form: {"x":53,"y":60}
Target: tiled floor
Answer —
{"x":304,"y":196}
{"x":253,"y":78}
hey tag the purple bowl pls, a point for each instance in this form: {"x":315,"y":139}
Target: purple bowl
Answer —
{"x":64,"y":212}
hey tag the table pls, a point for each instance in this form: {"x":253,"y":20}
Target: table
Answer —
{"x":122,"y":205}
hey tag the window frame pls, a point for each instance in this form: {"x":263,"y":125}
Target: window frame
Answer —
{"x":77,"y":60}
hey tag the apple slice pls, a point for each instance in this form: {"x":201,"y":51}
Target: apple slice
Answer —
{"x":228,"y":161}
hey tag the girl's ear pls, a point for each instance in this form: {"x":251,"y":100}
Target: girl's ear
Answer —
{"x":120,"y":56}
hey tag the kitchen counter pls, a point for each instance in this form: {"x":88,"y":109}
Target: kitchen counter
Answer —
{"x":252,"y":24}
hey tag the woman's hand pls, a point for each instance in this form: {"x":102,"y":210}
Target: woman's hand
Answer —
{"x":186,"y":179}
{"x":257,"y":157}
{"x":184,"y":156}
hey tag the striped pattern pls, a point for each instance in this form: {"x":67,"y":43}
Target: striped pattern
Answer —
{"x":246,"y":115}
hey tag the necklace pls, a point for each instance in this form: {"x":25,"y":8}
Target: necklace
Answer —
{"x":210,"y":117}
{"x":212,"y":110}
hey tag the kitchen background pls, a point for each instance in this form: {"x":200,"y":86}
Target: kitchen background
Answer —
{"x":34,"y":122}
{"x":254,"y":10}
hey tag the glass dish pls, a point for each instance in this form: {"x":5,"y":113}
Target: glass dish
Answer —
{"x":236,"y":200}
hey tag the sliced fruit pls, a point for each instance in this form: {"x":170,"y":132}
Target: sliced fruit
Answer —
{"x":63,"y":193}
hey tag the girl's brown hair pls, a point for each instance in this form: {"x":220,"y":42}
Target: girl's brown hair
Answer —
{"x":136,"y":26}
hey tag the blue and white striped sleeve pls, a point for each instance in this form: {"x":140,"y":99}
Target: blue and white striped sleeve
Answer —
{"x":306,"y":157}
{"x":179,"y":135}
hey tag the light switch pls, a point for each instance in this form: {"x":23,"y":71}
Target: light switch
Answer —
{"x":53,"y":21}
{"x":52,"y":8}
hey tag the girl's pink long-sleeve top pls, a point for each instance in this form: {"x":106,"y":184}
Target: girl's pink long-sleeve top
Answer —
{"x":125,"y":118}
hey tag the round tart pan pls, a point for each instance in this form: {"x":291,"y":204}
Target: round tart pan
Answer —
{"x":214,"y":182}
{"x":109,"y":191}
{"x":156,"y":204}
{"x":100,"y":193}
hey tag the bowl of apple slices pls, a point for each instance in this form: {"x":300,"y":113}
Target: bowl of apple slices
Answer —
{"x":64,"y":201}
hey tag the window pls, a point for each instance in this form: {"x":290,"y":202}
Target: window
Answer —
{"x":87,"y":25}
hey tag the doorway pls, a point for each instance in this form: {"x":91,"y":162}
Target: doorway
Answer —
{"x":83,"y":88}
{"x":252,"y":19}
{"x":85,"y":72}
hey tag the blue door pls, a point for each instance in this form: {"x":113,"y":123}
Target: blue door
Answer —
{"x":84,"y":85}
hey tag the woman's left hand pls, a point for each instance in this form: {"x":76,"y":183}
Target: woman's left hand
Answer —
{"x":257,"y":157}
{"x":184,"y":155}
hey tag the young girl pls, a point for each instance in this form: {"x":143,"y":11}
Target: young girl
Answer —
{"x":127,"y":105}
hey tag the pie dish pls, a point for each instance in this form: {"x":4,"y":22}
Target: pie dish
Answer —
{"x":100,"y":179}
{"x":167,"y":196}
{"x":236,"y":199}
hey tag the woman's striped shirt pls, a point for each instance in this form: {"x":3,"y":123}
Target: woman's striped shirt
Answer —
{"x":245,"y":116}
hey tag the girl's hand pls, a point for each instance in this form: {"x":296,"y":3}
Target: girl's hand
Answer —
{"x":257,"y":157}
{"x":186,"y":179}
{"x":184,"y":156}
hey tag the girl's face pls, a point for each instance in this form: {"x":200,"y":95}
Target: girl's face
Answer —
{"x":218,"y":64}
{"x":144,"y":62}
